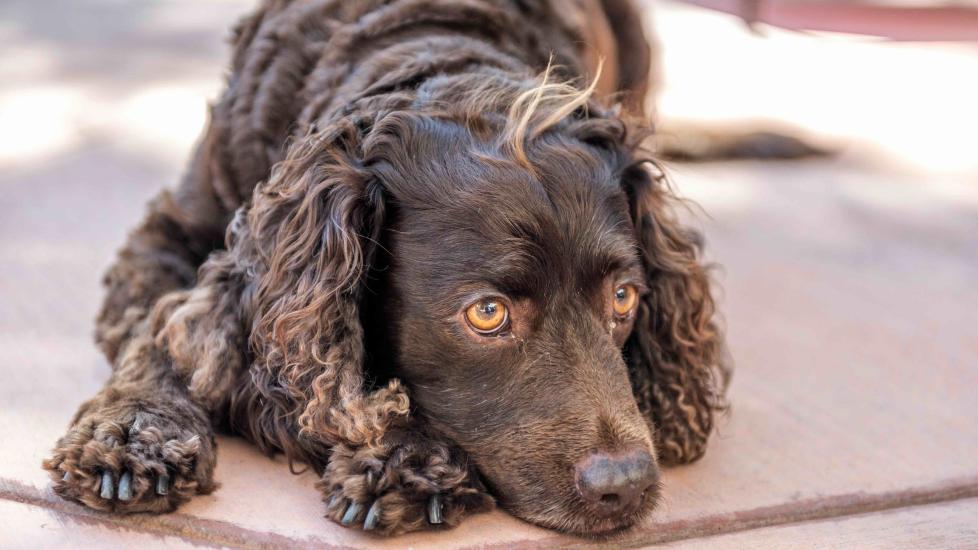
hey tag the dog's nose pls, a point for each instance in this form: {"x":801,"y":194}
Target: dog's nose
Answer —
{"x":613,"y":482}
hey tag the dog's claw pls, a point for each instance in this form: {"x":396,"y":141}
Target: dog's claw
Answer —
{"x":66,"y":477}
{"x":351,"y":513}
{"x":107,"y":488}
{"x":125,"y":486}
{"x":434,"y":510}
{"x":373,"y":516}
{"x":163,"y":484}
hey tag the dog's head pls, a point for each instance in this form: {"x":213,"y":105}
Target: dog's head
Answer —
{"x":523,"y":277}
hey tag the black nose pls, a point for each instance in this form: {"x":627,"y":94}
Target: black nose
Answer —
{"x":612,"y":483}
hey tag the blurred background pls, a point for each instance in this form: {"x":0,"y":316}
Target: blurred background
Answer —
{"x":848,"y":281}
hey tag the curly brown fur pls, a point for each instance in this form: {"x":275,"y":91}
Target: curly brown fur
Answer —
{"x":678,"y":370}
{"x":372,"y":168}
{"x":401,"y":474}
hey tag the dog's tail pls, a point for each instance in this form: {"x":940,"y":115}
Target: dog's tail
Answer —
{"x":697,"y":142}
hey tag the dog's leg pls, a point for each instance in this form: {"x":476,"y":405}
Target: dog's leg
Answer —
{"x":410,"y":481}
{"x":145,"y":442}
{"x":181,"y":228}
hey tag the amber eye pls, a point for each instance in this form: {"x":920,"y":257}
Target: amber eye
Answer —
{"x":625,"y":298}
{"x":487,"y":316}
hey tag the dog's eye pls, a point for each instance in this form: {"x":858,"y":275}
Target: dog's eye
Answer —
{"x":487,"y":316}
{"x":625,"y":298}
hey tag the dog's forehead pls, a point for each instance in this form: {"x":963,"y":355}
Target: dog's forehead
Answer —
{"x":563,"y":216}
{"x":565,"y":183}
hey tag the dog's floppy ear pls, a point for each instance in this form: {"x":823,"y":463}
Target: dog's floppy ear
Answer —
{"x":675,"y":352}
{"x":312,"y":227}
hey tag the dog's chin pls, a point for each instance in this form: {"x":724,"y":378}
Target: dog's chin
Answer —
{"x":575,"y":520}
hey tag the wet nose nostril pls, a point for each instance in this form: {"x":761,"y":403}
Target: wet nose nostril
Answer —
{"x":614,"y":482}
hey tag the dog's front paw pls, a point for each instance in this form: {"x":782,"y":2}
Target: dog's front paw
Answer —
{"x":408,"y":483}
{"x":125,"y":459}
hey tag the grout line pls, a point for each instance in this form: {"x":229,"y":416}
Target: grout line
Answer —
{"x":215,"y":533}
{"x":818,"y":508}
{"x":800,"y":511}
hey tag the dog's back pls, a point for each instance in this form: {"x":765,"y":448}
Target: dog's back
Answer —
{"x":297,"y":63}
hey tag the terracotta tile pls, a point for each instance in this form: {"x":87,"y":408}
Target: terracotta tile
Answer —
{"x":949,"y":526}
{"x":29,"y":527}
{"x":849,"y":317}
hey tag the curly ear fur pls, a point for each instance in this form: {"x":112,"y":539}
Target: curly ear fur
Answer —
{"x":310,"y":225}
{"x":675,"y":352}
{"x":295,"y":262}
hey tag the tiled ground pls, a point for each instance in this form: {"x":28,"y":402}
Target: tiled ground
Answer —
{"x":849,"y":283}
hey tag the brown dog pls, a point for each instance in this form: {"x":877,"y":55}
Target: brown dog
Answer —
{"x":401,"y":257}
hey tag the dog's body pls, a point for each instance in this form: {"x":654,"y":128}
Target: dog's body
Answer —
{"x":389,"y":177}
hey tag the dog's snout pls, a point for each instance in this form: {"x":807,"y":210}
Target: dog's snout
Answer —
{"x":615,"y":482}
